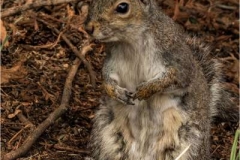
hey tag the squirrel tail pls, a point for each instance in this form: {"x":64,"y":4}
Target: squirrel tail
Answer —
{"x":223,"y":107}
{"x":226,"y":108}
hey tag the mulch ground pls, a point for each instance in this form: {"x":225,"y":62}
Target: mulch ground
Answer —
{"x":35,"y":62}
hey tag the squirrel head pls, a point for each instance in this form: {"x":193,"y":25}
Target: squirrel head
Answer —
{"x":118,"y":20}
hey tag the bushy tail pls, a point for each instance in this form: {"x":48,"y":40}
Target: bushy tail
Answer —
{"x":222,"y":104}
{"x":227,"y":109}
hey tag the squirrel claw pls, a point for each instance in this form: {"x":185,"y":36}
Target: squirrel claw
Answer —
{"x":124,"y":96}
{"x":129,"y":94}
{"x":119,"y":93}
{"x":125,"y":100}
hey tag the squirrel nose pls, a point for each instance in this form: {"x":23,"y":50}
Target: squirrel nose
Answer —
{"x":90,"y":28}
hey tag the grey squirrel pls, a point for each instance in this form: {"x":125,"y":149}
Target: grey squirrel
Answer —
{"x":162,"y":88}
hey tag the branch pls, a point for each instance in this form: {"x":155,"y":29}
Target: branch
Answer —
{"x":68,"y":148}
{"x":51,"y":118}
{"x":80,"y":56}
{"x":75,"y":50}
{"x":34,"y":4}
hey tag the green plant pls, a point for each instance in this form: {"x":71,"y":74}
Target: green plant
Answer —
{"x":235,"y":153}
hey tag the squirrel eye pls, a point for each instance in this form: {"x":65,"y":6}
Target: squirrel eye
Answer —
{"x":122,"y":8}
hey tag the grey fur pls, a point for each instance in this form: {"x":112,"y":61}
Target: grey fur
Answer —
{"x":147,"y":50}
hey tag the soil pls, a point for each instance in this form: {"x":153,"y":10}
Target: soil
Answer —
{"x":35,"y":63}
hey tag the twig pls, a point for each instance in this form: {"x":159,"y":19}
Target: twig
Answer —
{"x":80,"y":56}
{"x":75,"y":50}
{"x":176,"y":11}
{"x":17,"y":134}
{"x":51,"y":118}
{"x":50,"y":45}
{"x":80,"y":29}
{"x":183,"y":152}
{"x":222,"y":6}
{"x":24,"y":120}
{"x":34,"y":4}
{"x":68,"y":148}
{"x":215,"y":149}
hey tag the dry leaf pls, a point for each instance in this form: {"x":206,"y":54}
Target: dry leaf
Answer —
{"x":16,"y":72}
{"x":14,"y":114}
{"x":70,"y":12}
{"x":176,"y":11}
{"x":29,"y":1}
{"x":225,"y":21}
{"x":235,"y":71}
{"x":3,"y":34}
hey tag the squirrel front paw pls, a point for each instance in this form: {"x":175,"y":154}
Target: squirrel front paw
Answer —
{"x":143,"y":91}
{"x":119,"y":93}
